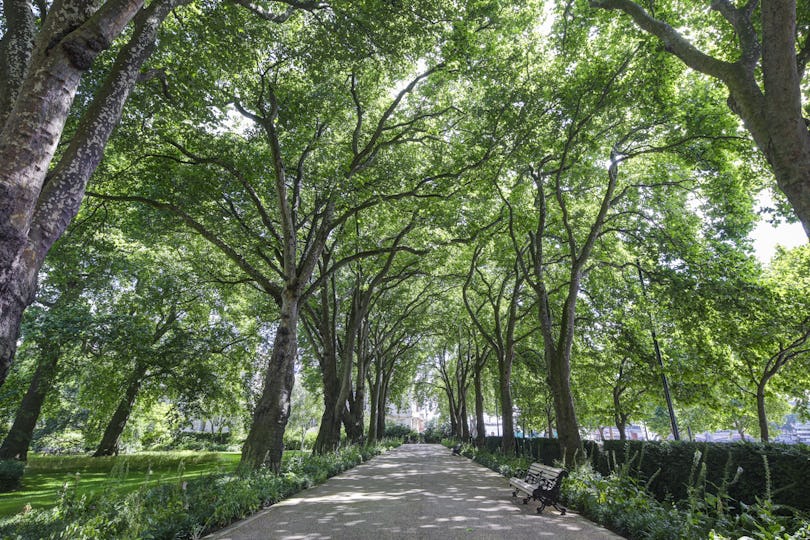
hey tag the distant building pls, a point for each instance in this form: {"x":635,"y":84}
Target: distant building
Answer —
{"x":412,"y":417}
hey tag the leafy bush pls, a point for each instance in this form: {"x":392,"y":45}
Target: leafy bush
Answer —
{"x":11,"y":472}
{"x":434,"y":432}
{"x":404,"y":433}
{"x":185,"y":509}
{"x":292,"y":440}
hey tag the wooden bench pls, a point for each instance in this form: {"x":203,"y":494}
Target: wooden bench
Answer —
{"x":541,"y":483}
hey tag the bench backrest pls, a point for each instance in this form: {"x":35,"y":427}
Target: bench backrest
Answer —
{"x":541,"y":474}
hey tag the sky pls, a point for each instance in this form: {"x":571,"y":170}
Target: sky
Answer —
{"x":766,"y":237}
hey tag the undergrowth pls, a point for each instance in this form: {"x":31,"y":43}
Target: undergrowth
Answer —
{"x":186,"y":509}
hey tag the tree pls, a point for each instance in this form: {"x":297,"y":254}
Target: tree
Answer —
{"x":762,"y":65}
{"x":769,"y":331}
{"x":496,"y":316}
{"x":36,"y":202}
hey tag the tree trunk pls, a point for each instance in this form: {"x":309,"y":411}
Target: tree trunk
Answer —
{"x":773,"y":117}
{"x":550,"y":421}
{"x":383,"y":407}
{"x":328,"y":438}
{"x":481,"y":428}
{"x":762,"y":415}
{"x":112,"y":435}
{"x":618,"y":414}
{"x":559,"y":379}
{"x":505,"y":380}
{"x":465,"y":424}
{"x":16,"y":444}
{"x":353,"y":421}
{"x":454,"y":429}
{"x":265,"y":441}
{"x":374,"y":393}
{"x":357,"y":402}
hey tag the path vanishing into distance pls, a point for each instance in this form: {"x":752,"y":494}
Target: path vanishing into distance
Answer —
{"x":414,"y":491}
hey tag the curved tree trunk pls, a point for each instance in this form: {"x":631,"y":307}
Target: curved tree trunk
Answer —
{"x":18,"y":440}
{"x":112,"y":435}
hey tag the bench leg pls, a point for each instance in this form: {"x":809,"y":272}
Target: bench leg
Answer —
{"x":541,"y":508}
{"x":562,"y":509}
{"x":526,"y":500}
{"x":514,"y":494}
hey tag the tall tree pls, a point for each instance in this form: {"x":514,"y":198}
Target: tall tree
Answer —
{"x":495,"y":313}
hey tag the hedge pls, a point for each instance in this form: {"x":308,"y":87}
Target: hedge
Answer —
{"x":672,"y":464}
{"x":787,"y":465}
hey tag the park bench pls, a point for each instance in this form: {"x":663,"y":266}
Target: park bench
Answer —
{"x":541,"y":483}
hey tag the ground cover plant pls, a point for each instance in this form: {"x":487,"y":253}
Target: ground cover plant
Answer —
{"x":623,"y":503}
{"x":181,"y":507}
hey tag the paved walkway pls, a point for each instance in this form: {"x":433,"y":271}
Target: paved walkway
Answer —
{"x":417,"y":491}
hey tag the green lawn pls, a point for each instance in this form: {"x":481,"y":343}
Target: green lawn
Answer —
{"x":45,"y":475}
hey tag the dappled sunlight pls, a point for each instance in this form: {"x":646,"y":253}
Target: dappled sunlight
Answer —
{"x":415,"y":491}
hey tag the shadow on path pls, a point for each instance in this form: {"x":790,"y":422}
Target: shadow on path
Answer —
{"x":414,"y":491}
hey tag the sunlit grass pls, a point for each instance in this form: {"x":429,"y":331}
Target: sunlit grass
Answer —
{"x":46,"y":475}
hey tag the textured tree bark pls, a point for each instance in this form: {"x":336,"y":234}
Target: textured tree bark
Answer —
{"x":265,"y":441}
{"x":34,"y":212}
{"x":18,"y":439}
{"x":329,"y":431}
{"x":16,"y":47}
{"x":111,"y":439}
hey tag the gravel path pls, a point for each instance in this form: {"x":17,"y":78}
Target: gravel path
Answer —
{"x":415,"y":491}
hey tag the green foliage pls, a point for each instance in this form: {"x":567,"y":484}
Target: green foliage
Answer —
{"x":401,"y":432}
{"x":11,"y":472}
{"x":668,"y":468}
{"x":621,"y":502}
{"x":188,"y":507}
{"x":434,"y":432}
{"x":192,"y":440}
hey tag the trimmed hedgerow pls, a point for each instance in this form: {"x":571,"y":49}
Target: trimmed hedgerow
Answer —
{"x":622,"y":503}
{"x":782,"y":469}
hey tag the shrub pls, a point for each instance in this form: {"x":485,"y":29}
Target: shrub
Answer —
{"x":11,"y":473}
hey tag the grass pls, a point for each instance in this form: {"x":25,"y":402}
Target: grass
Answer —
{"x":45,"y":475}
